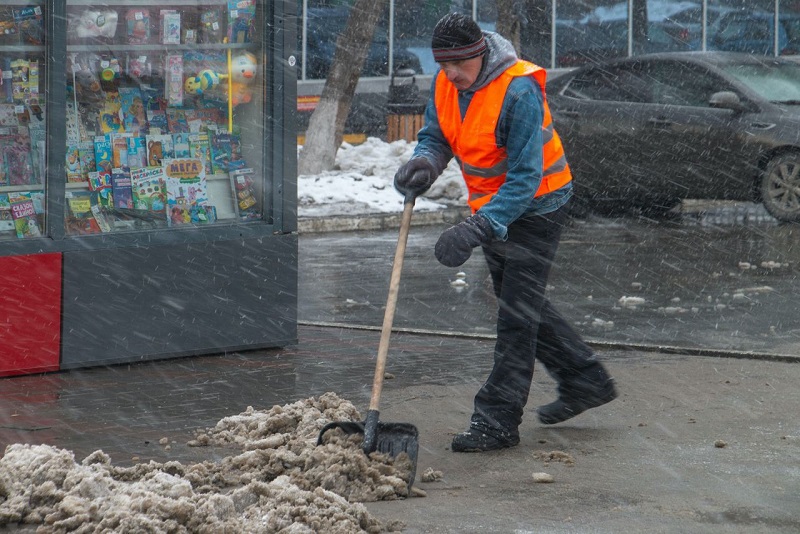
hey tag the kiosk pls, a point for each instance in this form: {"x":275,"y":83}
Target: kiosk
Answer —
{"x":147,"y":180}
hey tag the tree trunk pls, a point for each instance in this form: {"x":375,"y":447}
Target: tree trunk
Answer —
{"x":509,"y":21}
{"x":326,"y":125}
{"x":536,"y":33}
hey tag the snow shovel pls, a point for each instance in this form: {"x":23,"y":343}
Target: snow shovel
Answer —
{"x":388,"y":438}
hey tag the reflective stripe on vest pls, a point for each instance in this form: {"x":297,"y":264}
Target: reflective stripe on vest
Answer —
{"x":483,"y":164}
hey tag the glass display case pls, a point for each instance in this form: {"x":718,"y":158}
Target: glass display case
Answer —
{"x":148,"y":203}
{"x":22,"y":123}
{"x":162,"y":126}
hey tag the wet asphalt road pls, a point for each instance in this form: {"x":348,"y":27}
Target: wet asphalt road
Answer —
{"x":720,"y":278}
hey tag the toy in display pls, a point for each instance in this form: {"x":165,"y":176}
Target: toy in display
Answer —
{"x":93,"y":24}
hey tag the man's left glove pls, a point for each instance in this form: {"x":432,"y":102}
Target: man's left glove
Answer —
{"x":456,"y":243}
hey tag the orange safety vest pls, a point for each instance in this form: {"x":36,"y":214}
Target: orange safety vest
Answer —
{"x":483,"y":163}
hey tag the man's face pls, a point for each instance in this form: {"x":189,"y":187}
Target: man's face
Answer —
{"x":462,"y":73}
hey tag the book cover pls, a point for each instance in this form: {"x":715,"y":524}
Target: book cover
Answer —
{"x":86,"y":155}
{"x":81,"y":219}
{"x":25,"y":82}
{"x":16,"y":154}
{"x":202,"y":214}
{"x":186,"y":189}
{"x":37,"y":197}
{"x":200,"y":149}
{"x":37,"y":133}
{"x":180,"y":143}
{"x":241,"y":21}
{"x":157,"y":121}
{"x":122,"y":188}
{"x":100,"y":186}
{"x":79,"y":203}
{"x":203,"y":119}
{"x":6,"y":221}
{"x":8,"y":28}
{"x":30,"y":24}
{"x":176,"y":121}
{"x":159,"y":148}
{"x":119,"y":149}
{"x":149,"y":188}
{"x":137,"y":152}
{"x":4,"y":178}
{"x":103,"y":154}
{"x":226,"y":153}
{"x":134,"y":119}
{"x":137,"y":25}
{"x":152,"y":96}
{"x":8,"y":116}
{"x":23,"y":213}
{"x":110,"y":117}
{"x":73,"y":164}
{"x":101,"y":218}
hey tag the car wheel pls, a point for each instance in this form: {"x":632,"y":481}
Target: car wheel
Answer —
{"x":780,"y":187}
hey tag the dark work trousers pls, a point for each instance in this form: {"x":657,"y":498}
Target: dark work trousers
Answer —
{"x":528,"y":327}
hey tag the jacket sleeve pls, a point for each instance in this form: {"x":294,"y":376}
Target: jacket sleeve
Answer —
{"x":432,"y":143}
{"x":519,"y":129}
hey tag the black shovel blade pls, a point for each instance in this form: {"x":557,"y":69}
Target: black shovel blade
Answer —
{"x":391,"y":439}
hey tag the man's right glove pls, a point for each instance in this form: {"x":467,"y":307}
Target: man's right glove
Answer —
{"x":455,"y":245}
{"x":415,"y":177}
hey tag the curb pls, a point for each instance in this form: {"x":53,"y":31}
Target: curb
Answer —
{"x":378,"y":221}
{"x":596,"y":344}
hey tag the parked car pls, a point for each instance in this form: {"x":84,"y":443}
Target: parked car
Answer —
{"x":686,"y":27}
{"x":651,"y":130}
{"x":753,"y":32}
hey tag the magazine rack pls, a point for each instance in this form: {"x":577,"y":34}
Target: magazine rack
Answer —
{"x":147,"y":180}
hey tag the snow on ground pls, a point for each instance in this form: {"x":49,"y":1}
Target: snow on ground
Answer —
{"x":275,"y":478}
{"x":361,"y":183}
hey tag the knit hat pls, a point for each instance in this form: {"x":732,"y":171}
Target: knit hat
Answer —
{"x":457,"y":37}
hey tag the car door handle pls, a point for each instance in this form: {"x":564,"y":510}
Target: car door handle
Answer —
{"x":571,"y":114}
{"x":659,"y":123}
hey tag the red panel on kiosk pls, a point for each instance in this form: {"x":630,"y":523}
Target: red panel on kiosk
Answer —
{"x":30,"y":314}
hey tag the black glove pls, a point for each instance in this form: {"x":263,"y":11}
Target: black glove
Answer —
{"x":415,"y":177}
{"x":456,"y":243}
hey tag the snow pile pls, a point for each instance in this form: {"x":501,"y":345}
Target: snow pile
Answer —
{"x":277,"y":479}
{"x":362,"y":182}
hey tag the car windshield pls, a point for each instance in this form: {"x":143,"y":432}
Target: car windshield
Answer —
{"x":776,"y":82}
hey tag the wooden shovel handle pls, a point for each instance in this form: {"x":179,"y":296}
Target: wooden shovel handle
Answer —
{"x":391,"y":304}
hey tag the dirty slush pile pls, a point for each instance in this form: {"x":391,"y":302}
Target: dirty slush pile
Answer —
{"x":276,"y":480}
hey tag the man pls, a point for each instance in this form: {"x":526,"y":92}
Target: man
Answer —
{"x":488,"y":109}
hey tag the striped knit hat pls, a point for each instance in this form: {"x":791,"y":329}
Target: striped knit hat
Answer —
{"x":457,"y":37}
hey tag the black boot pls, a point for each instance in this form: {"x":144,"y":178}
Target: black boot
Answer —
{"x":476,"y":440}
{"x":568,"y":406}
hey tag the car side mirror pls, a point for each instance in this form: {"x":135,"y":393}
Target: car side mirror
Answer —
{"x":726,"y":100}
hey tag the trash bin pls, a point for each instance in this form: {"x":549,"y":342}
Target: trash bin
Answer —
{"x":404,"y":111}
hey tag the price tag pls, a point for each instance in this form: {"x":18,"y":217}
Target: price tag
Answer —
{"x":138,"y":15}
{"x":234,"y":13}
{"x":215,"y":26}
{"x":19,"y":109}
